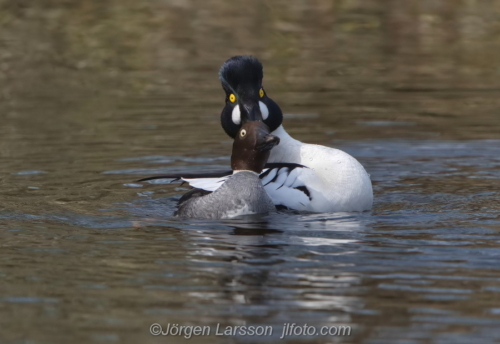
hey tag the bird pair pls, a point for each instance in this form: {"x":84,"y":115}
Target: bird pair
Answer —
{"x":298,"y":176}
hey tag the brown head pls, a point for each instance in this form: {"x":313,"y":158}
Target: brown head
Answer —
{"x":252,"y":146}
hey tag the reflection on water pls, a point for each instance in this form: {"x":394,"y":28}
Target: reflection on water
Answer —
{"x":97,"y":94}
{"x":423,"y":264}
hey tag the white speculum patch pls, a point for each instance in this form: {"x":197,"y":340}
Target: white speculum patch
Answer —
{"x":236,"y":114}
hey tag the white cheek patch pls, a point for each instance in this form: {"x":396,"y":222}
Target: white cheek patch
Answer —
{"x":263,"y":110}
{"x":236,"y":115}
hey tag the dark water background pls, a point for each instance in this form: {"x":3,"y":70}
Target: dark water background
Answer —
{"x":95,"y":94}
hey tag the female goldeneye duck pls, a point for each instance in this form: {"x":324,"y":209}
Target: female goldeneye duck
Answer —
{"x":242,"y":193}
{"x":333,"y":181}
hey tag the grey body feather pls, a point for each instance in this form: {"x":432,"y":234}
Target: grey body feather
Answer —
{"x":241,"y":194}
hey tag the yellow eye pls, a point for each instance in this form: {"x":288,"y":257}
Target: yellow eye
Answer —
{"x":261,"y":93}
{"x":243,"y":133}
{"x":232,"y":98}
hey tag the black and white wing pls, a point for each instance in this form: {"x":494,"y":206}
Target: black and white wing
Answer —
{"x":285,"y":184}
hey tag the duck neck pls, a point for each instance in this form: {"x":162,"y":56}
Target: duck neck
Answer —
{"x":238,"y":171}
{"x":288,"y":150}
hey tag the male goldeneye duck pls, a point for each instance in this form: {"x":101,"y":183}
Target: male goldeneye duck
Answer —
{"x":242,"y":192}
{"x":334,"y":180}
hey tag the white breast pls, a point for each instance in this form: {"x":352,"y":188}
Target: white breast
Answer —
{"x":338,"y":182}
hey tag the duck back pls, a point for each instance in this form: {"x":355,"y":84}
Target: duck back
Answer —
{"x":241,"y":194}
